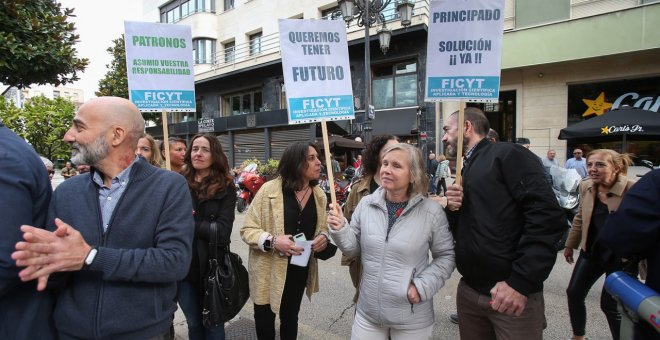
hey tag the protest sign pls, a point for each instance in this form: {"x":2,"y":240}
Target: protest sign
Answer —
{"x":464,"y":51}
{"x":316,"y":70}
{"x":159,"y":66}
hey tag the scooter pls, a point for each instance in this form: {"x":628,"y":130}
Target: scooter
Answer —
{"x":249,"y":182}
{"x":565,"y":184}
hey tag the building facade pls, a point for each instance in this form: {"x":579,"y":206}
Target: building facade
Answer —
{"x":558,"y":57}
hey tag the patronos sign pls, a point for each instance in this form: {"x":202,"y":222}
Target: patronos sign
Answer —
{"x":316,"y":70}
{"x":464,"y":50}
{"x":159,"y":66}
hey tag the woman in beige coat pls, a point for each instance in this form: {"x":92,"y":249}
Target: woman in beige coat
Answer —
{"x":287,"y":206}
{"x":600,"y":195}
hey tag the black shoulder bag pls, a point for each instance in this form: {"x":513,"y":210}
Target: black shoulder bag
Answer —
{"x":226,"y":289}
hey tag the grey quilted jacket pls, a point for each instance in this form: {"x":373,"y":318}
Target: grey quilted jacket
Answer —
{"x":391,"y":262}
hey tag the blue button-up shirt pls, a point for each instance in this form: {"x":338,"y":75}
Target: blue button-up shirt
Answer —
{"x":109,"y":197}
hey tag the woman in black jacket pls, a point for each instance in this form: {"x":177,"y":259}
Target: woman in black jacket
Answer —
{"x":214,"y":197}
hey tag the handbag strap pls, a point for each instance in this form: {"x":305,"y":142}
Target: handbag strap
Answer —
{"x":213,"y":240}
{"x":214,"y":244}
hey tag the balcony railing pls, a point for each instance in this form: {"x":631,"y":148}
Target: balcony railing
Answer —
{"x":270,"y":43}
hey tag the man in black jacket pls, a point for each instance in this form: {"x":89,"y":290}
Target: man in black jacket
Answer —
{"x":505,"y":220}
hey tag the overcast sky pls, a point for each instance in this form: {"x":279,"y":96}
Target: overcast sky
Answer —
{"x":98,"y":23}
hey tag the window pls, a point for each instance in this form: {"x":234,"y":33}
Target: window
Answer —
{"x":229,"y":4}
{"x":173,"y":13}
{"x":230,"y":52}
{"x":203,"y":51}
{"x":186,"y":9}
{"x":395,"y":85}
{"x":327,"y":13}
{"x":56,"y":94}
{"x":255,"y":43}
{"x":242,"y":103}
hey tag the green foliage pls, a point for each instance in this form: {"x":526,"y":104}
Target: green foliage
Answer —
{"x":115,"y":82}
{"x":251,"y":160}
{"x":268,"y":169}
{"x":37,"y":44}
{"x":42,"y":122}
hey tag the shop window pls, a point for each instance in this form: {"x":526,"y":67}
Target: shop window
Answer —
{"x":395,"y":85}
{"x":501,"y":115}
{"x":242,"y":103}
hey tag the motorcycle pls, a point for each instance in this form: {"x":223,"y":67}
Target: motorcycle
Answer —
{"x":342,"y":189}
{"x":565,"y":184}
{"x":249,"y":182}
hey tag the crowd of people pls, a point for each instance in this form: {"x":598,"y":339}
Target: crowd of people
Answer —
{"x":113,"y":250}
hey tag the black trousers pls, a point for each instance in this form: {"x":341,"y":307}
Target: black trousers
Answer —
{"x":441,"y":184}
{"x":264,"y":318}
{"x":587,"y":270}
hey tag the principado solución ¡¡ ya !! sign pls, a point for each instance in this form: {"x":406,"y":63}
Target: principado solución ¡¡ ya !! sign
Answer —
{"x":159,"y":66}
{"x":464,"y":51}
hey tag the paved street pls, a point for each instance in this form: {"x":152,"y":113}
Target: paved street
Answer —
{"x":330,"y":314}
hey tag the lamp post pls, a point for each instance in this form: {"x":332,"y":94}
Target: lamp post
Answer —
{"x":368,"y":13}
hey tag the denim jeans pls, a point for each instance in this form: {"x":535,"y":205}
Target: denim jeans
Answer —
{"x":189,"y":300}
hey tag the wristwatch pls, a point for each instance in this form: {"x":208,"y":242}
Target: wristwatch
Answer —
{"x":268,"y":243}
{"x":90,"y":257}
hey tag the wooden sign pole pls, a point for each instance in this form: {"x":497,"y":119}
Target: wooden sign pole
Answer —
{"x":166,"y":140}
{"x":459,"y":146}
{"x":328,"y":164}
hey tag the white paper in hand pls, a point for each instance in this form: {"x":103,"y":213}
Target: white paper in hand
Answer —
{"x":302,"y":259}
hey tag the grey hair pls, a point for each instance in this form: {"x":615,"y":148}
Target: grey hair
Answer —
{"x":420,"y":182}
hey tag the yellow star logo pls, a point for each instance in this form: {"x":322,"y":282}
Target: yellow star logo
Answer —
{"x":597,"y":106}
{"x":605,"y":130}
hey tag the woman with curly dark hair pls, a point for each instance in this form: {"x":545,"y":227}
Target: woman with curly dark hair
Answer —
{"x":214,"y":197}
{"x":368,"y":182}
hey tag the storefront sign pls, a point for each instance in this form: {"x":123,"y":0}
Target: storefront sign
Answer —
{"x":635,"y":100}
{"x":464,"y":51}
{"x":159,"y":66}
{"x":205,"y":125}
{"x":316,"y":70}
{"x":606,"y":130}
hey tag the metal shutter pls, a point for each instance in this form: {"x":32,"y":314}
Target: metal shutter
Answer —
{"x":282,"y":137}
{"x":224,"y":141}
{"x":248,"y":145}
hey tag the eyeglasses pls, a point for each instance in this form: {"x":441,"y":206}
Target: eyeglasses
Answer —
{"x":50,"y":172}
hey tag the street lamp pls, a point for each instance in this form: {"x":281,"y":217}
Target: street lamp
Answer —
{"x":368,"y":13}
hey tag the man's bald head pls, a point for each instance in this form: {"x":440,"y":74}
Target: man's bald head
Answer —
{"x":117,"y":111}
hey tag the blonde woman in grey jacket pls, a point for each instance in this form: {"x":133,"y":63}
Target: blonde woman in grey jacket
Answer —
{"x":393,"y":230}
